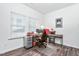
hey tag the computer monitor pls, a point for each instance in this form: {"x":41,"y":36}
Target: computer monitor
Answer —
{"x":39,"y":30}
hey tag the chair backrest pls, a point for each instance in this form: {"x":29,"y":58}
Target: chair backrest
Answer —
{"x":45,"y":34}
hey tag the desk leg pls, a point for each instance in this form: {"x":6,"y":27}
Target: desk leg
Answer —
{"x":49,"y":40}
{"x":61,"y":42}
{"x":53,"y":40}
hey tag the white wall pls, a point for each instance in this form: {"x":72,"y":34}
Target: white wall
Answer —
{"x":70,"y":28}
{"x":5,"y":9}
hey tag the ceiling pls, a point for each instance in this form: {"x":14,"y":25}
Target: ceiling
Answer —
{"x":47,"y":7}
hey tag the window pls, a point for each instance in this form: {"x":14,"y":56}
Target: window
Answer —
{"x":17,"y":23}
{"x":32,"y":24}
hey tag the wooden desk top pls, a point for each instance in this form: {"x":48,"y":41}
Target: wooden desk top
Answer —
{"x":55,"y":35}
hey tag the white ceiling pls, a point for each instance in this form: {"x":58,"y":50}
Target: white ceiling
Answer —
{"x":47,"y":7}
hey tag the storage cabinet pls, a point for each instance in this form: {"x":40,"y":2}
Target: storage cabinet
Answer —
{"x":28,"y":42}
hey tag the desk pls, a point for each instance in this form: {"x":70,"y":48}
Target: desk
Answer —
{"x":54,"y":36}
{"x":50,"y":37}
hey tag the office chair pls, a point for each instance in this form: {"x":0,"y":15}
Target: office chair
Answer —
{"x":43,"y":40}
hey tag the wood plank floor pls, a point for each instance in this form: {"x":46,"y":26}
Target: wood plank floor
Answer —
{"x":51,"y":50}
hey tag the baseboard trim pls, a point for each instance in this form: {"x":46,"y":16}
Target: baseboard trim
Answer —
{"x":66,"y":46}
{"x":10,"y":50}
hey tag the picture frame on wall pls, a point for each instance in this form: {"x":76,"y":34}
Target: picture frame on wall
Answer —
{"x":59,"y":23}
